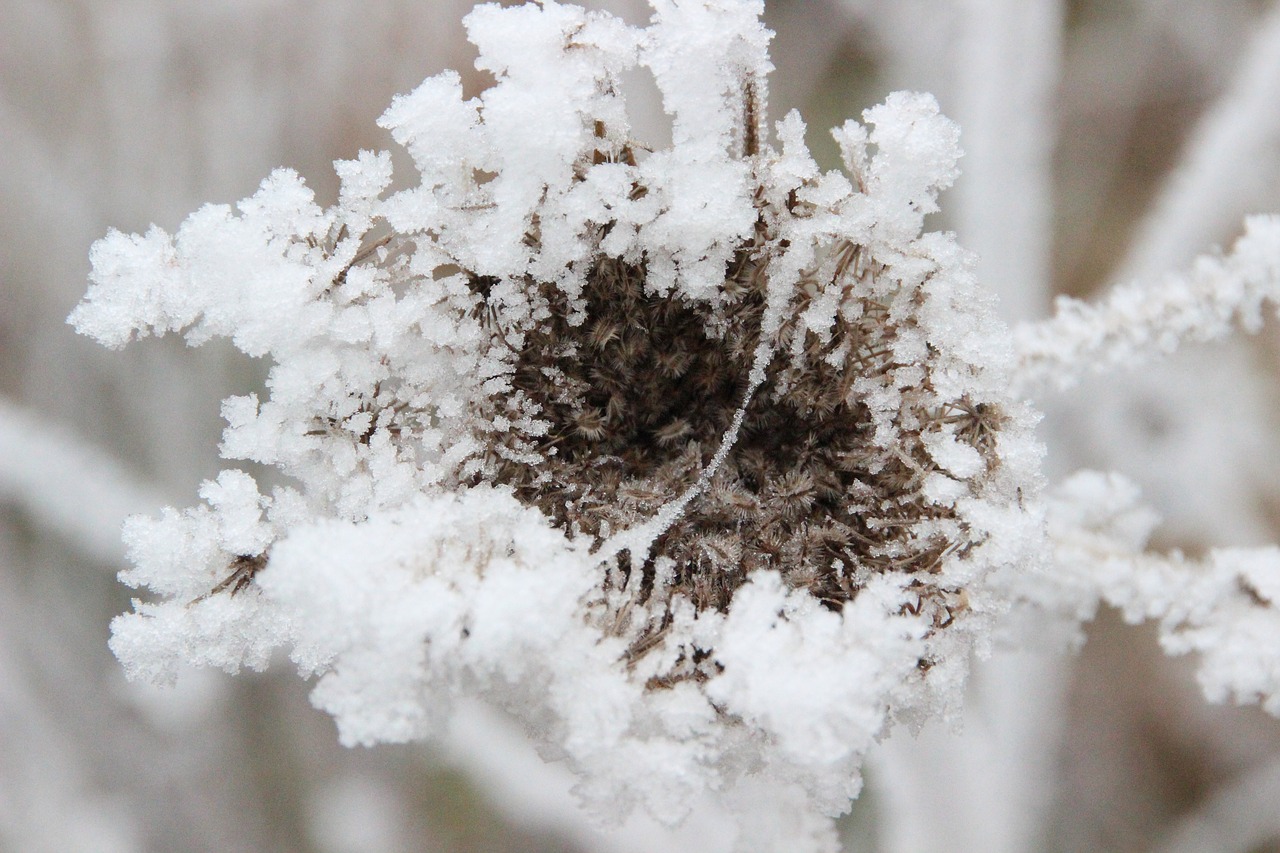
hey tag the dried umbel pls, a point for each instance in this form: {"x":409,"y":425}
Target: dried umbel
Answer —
{"x":699,"y":460}
{"x":634,"y":391}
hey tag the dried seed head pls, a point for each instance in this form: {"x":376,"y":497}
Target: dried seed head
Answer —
{"x":828,"y":479}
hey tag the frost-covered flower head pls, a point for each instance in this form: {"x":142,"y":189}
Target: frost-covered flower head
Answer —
{"x":696,"y":458}
{"x":700,"y":460}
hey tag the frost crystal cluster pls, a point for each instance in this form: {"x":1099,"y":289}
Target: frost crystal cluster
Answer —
{"x":701,"y":461}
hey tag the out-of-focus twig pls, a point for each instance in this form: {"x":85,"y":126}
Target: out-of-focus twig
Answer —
{"x":1229,"y":155}
{"x":68,"y":485}
{"x":1240,"y":817}
{"x":1007,"y":64}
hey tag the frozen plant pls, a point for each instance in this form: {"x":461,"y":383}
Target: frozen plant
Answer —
{"x":707,"y":465}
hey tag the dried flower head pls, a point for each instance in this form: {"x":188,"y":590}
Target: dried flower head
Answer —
{"x":835,"y":459}
{"x":698,"y":459}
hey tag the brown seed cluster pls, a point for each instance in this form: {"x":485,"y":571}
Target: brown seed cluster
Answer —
{"x":638,"y":397}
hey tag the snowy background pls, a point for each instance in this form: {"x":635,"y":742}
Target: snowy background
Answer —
{"x":1107,"y":141}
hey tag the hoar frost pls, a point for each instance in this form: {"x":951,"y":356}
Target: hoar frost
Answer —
{"x":701,"y":461}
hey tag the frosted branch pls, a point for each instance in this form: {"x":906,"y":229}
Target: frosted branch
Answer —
{"x":1224,"y":607}
{"x":1137,"y":322}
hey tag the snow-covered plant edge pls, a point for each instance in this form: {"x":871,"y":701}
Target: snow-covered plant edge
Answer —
{"x":703,"y":463}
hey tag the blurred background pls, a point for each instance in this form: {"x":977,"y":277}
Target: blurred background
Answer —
{"x":1107,"y":140}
